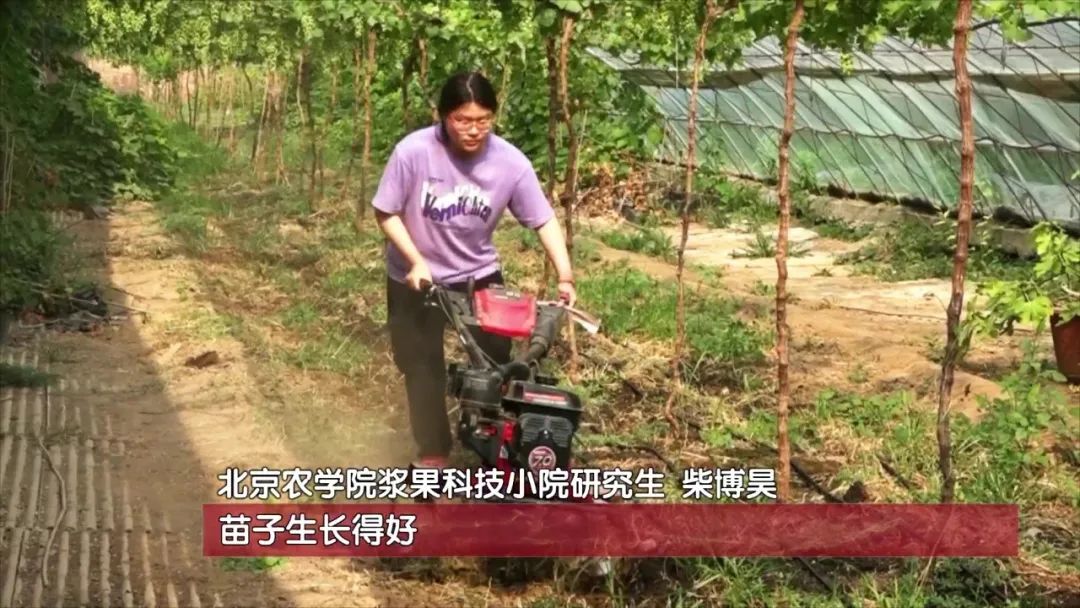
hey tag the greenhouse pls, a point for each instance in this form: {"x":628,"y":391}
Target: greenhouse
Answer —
{"x":884,"y":123}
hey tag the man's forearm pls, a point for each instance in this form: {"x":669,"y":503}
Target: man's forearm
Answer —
{"x":394,"y":229}
{"x":551,"y":237}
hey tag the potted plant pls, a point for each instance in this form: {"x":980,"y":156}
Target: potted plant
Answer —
{"x":1049,"y":297}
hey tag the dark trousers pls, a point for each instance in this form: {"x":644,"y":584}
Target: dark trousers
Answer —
{"x":416,"y":338}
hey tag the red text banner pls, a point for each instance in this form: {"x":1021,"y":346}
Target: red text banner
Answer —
{"x":610,"y":530}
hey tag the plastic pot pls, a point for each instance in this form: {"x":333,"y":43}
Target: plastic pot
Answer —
{"x":1067,"y":346}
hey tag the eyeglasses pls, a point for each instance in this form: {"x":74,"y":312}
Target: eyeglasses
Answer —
{"x":464,"y":124}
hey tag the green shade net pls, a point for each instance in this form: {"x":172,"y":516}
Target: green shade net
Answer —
{"x":889,"y":126}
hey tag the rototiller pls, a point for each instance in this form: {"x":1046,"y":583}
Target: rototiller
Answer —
{"x":511,"y":415}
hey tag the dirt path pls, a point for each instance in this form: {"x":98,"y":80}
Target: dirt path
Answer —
{"x":847,"y":331}
{"x":138,"y":439}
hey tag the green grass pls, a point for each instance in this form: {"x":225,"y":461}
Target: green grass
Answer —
{"x":1004,"y":456}
{"x":300,"y":316}
{"x":19,"y":376}
{"x":711,"y":276}
{"x":648,"y":241}
{"x":262,"y":243}
{"x":913,"y":250}
{"x":334,"y":350}
{"x":859,"y":374}
{"x":204,"y":324}
{"x":764,"y":246}
{"x":215,"y":187}
{"x":842,"y":232}
{"x":284,"y":279}
{"x":761,"y":288}
{"x":251,"y":564}
{"x":645,"y":433}
{"x":901,"y":583}
{"x":631,"y":303}
{"x":1001,"y":458}
{"x":866,"y":415}
{"x":724,"y":202}
{"x":828,"y":227}
{"x":344,"y":282}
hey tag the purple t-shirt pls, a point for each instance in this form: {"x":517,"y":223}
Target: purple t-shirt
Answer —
{"x":451,"y":206}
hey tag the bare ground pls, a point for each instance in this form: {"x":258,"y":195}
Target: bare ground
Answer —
{"x":847,"y":332}
{"x":139,"y":438}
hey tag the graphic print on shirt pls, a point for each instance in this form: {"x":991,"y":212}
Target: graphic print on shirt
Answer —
{"x":463,"y":200}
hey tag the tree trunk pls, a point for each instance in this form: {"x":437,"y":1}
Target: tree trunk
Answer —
{"x":189,"y":95}
{"x":304,"y":75}
{"x":328,"y":119}
{"x":299,"y":90}
{"x":183,"y":90}
{"x":571,"y":132}
{"x":211,"y":99}
{"x":335,"y":77}
{"x":552,"y":134}
{"x":272,"y":119}
{"x":369,"y":69}
{"x":176,"y":99}
{"x":257,"y":140}
{"x":504,"y":87}
{"x":571,"y":162}
{"x":281,"y":94}
{"x":226,"y":111}
{"x":408,"y":67}
{"x":234,"y":96}
{"x":195,"y":106}
{"x":782,"y":330}
{"x":711,"y":13}
{"x":244,"y":102}
{"x":422,"y":43}
{"x":7,"y":161}
{"x":963,"y":235}
{"x":357,"y":64}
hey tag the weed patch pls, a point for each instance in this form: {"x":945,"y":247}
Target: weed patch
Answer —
{"x":649,"y":241}
{"x":251,"y":564}
{"x":806,"y":214}
{"x":722,"y":202}
{"x":1002,"y":457}
{"x":915,"y":250}
{"x":633,"y":303}
{"x":763,"y":246}
{"x":865,"y":415}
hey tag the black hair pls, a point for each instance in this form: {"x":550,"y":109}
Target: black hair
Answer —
{"x":466,"y":87}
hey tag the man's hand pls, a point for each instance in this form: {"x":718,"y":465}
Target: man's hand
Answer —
{"x":419,"y":273}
